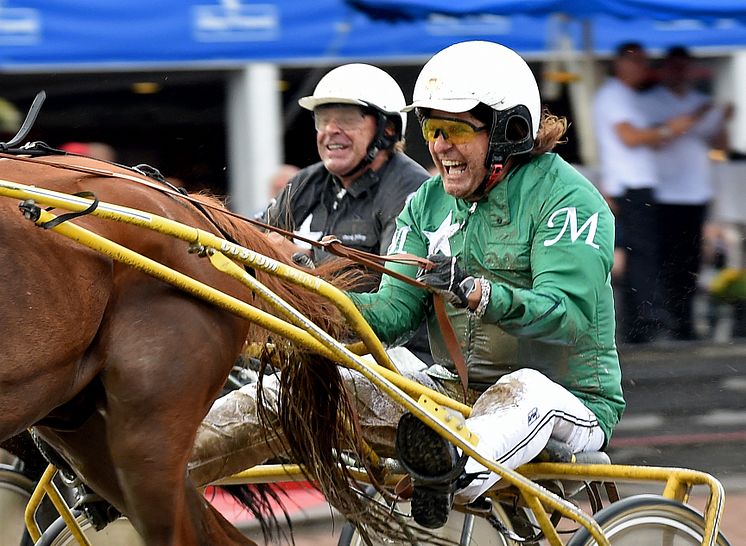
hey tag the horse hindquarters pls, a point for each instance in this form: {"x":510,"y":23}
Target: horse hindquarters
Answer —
{"x":70,"y":315}
{"x":54,"y":293}
{"x":164,"y":366}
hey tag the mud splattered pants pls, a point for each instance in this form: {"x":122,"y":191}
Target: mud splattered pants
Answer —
{"x":514,"y":419}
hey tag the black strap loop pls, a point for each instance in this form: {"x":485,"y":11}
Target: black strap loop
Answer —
{"x":27,"y":123}
{"x":70,"y":215}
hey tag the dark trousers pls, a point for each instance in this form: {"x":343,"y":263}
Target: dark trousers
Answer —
{"x":640,"y":317}
{"x":681,"y":256}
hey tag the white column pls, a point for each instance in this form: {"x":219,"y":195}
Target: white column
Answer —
{"x":254,"y":121}
{"x":737,"y":128}
{"x":582,"y":93}
{"x":579,"y":63}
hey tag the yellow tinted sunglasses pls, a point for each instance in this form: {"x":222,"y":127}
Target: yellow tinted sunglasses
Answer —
{"x":455,"y":131}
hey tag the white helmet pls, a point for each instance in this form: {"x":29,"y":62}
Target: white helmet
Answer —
{"x":364,"y":85}
{"x":463,"y":75}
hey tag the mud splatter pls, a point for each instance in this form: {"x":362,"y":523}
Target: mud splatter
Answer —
{"x":503,"y":394}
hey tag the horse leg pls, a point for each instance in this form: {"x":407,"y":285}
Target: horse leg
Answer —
{"x":87,"y":450}
{"x":159,"y":380}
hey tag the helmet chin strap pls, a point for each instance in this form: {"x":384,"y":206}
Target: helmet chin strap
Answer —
{"x":365,"y":161}
{"x":489,"y":182}
{"x":380,"y":142}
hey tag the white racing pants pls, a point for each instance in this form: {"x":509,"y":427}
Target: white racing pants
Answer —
{"x":514,"y":419}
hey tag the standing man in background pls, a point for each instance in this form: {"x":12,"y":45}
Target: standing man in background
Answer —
{"x":685,"y":184}
{"x":626,"y":139}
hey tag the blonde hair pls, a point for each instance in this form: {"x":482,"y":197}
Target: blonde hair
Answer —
{"x":552,"y":129}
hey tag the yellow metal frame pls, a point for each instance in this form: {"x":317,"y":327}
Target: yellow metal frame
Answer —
{"x":299,"y":329}
{"x":47,"y":487}
{"x":677,"y":485}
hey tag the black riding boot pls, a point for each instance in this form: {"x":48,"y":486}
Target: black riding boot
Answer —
{"x":434,"y":466}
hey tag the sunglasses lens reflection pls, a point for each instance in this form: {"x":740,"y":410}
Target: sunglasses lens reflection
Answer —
{"x":346,"y":119}
{"x":454,"y":131}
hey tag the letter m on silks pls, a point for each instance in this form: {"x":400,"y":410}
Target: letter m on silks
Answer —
{"x":571,"y":220}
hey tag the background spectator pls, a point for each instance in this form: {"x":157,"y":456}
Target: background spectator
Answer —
{"x":97,"y":150}
{"x":626,"y":137}
{"x":277,"y":183}
{"x":281,"y":178}
{"x":684,"y":187}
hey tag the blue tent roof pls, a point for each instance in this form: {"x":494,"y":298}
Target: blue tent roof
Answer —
{"x":81,"y":35}
{"x":639,"y":9}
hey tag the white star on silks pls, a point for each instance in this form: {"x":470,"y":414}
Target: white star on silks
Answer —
{"x":305,"y":231}
{"x":438,"y":240}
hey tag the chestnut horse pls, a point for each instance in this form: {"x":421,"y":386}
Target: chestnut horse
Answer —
{"x":116,"y":368}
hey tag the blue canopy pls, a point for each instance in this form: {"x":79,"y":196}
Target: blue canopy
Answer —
{"x":80,"y":34}
{"x":39,"y":35}
{"x":713,"y":25}
{"x":709,"y":10}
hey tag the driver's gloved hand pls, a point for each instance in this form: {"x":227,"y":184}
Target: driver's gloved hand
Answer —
{"x":447,"y":278}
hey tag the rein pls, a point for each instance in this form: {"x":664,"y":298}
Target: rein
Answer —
{"x":333,"y":246}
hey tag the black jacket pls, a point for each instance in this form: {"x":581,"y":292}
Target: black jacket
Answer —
{"x":315,"y":205}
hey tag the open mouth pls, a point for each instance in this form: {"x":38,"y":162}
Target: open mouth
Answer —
{"x":453,"y":167}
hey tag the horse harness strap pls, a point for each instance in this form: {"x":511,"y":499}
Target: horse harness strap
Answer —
{"x":70,"y":215}
{"x":32,"y":211}
{"x":451,"y":343}
{"x":333,"y":246}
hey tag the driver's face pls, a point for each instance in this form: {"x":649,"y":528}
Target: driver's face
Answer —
{"x":461,"y":165}
{"x":343,"y":134}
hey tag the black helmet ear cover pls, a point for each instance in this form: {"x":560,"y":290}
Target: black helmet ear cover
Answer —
{"x":380,"y":140}
{"x":511,"y":134}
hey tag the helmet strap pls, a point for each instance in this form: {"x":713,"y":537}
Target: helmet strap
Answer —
{"x":380,"y":142}
{"x":489,"y":182}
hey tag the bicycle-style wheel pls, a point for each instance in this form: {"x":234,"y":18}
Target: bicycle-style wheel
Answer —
{"x":118,"y":533}
{"x":461,"y":529}
{"x":15,"y":492}
{"x":648,"y":520}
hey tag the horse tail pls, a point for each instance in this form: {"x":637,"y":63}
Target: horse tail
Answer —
{"x":317,"y":416}
{"x":263,"y":501}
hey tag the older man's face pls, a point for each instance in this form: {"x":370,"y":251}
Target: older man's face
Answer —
{"x":343,"y":134}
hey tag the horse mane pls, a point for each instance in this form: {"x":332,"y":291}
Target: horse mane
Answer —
{"x":316,"y":412}
{"x":317,"y":308}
